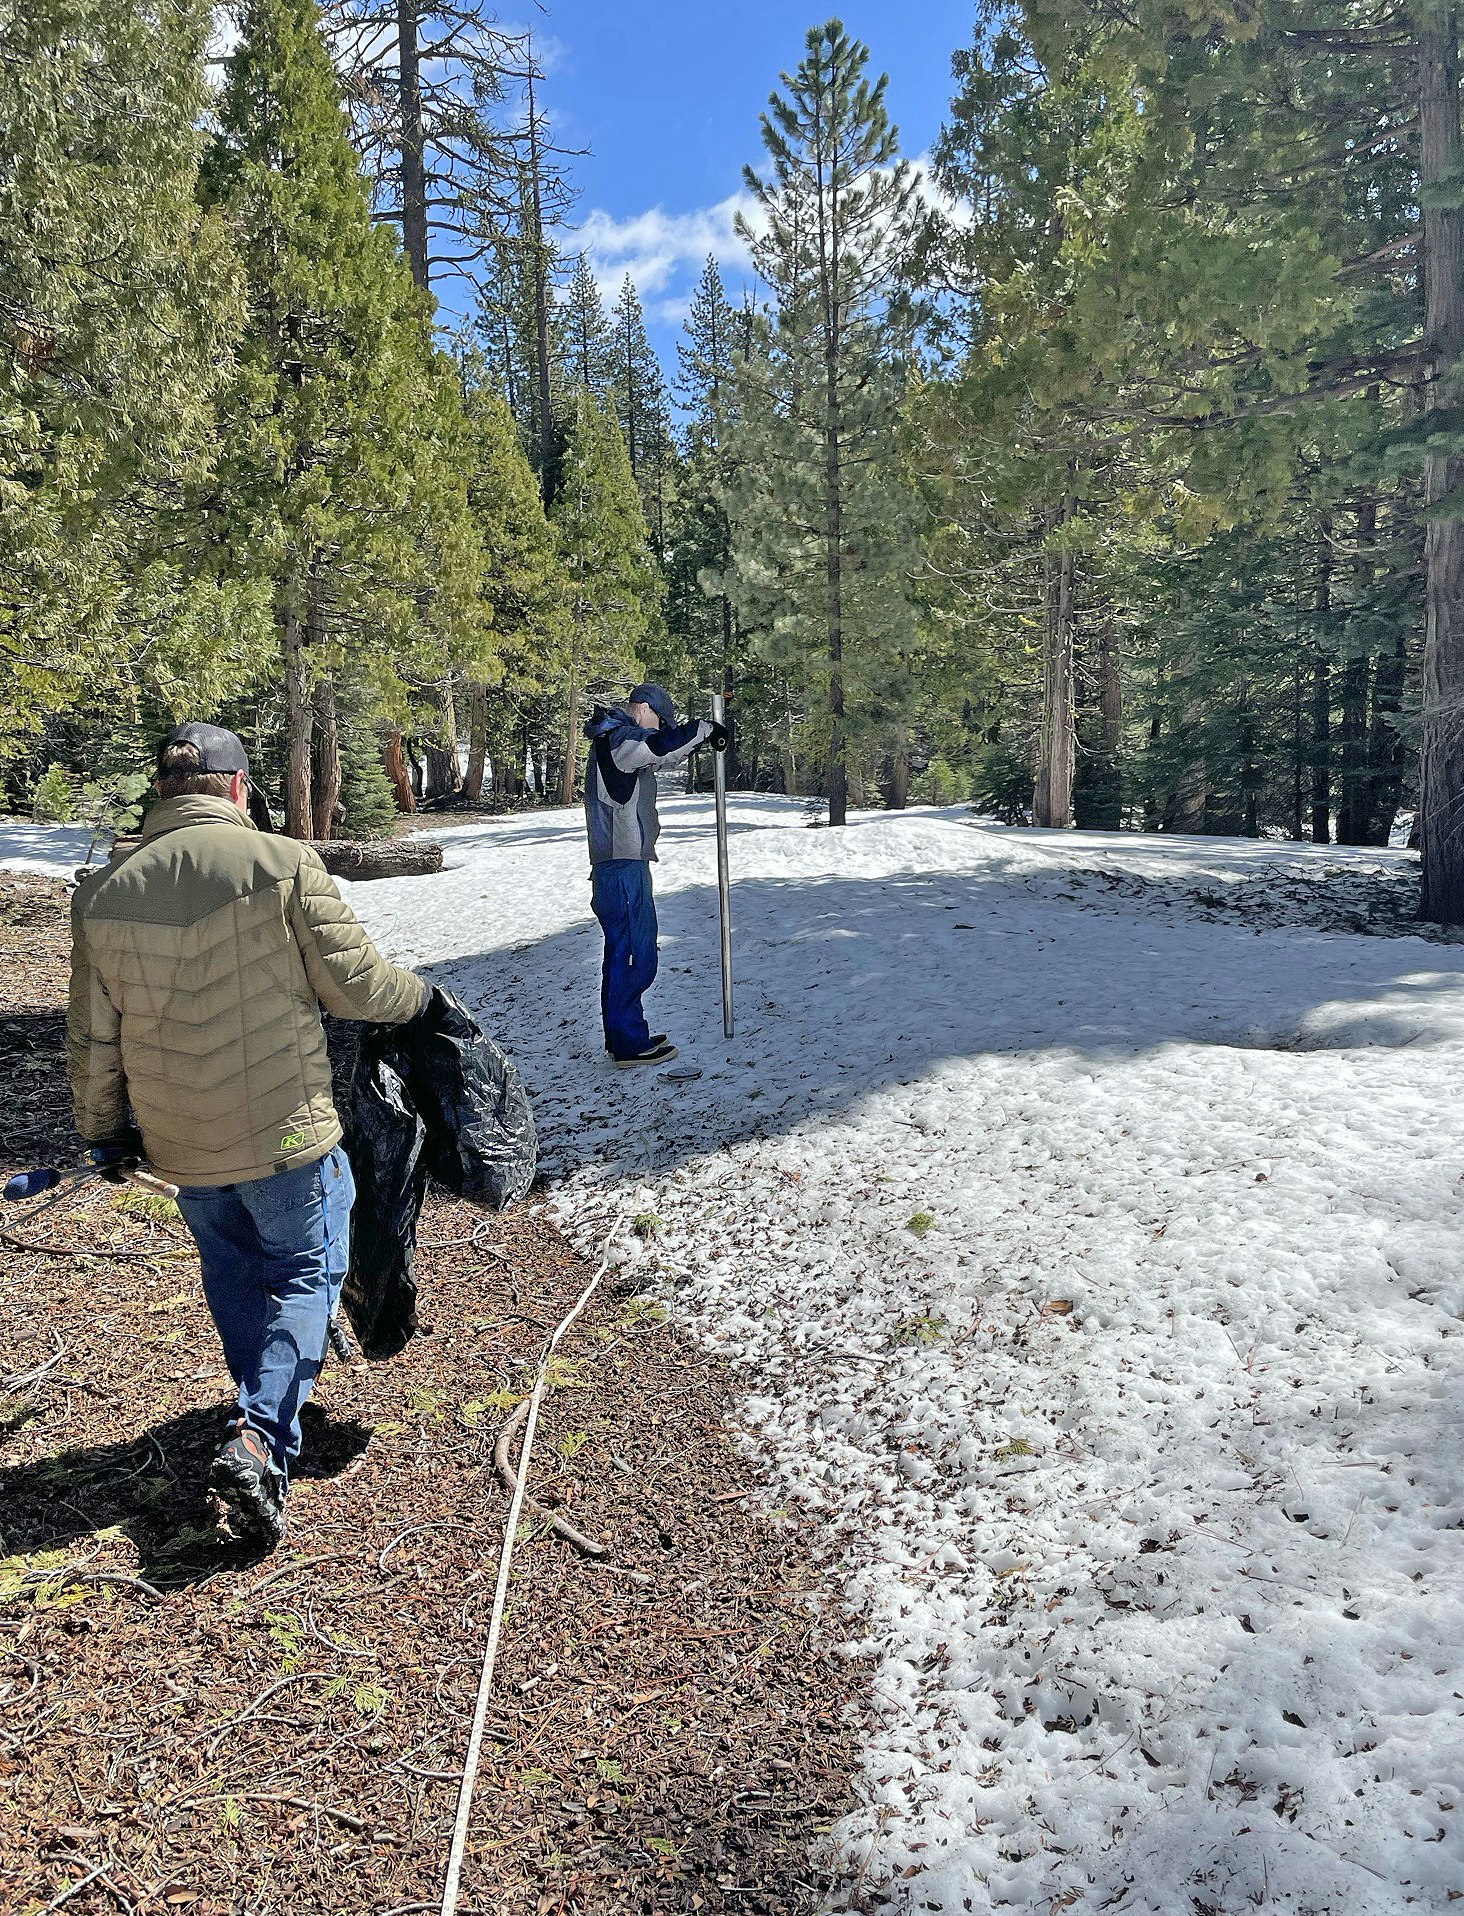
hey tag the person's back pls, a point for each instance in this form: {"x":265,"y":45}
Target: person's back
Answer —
{"x":201,"y":957}
{"x":205,"y":952}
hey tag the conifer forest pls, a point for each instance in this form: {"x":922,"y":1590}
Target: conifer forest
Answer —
{"x":1104,"y":466}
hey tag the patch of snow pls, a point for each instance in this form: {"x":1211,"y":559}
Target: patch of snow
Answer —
{"x":1141,"y":1450}
{"x":50,"y":851}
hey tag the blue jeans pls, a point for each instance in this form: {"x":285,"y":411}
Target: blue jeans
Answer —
{"x":620,"y":896}
{"x":274,"y":1252}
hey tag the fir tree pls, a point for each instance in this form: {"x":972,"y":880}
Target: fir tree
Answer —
{"x":338,"y":478}
{"x":523,"y":582}
{"x":118,"y":307}
{"x":824,"y":530}
{"x":612,"y":585}
{"x":585,"y":345}
{"x":643,"y":412}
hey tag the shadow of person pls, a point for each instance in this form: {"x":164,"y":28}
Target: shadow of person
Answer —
{"x":153,"y":1488}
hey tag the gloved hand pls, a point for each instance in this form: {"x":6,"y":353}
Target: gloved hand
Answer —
{"x":719,"y":738}
{"x":118,"y":1155}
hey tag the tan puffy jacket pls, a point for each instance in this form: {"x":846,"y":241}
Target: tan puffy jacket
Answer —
{"x":200,"y":958}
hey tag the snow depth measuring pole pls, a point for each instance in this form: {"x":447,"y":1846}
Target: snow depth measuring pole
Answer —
{"x":724,"y":882}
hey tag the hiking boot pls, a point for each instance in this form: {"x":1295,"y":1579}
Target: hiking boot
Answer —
{"x":653,"y":1054}
{"x":251,"y":1486}
{"x":658,"y":1037}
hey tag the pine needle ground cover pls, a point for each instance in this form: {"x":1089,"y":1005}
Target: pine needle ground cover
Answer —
{"x":185,"y":1727}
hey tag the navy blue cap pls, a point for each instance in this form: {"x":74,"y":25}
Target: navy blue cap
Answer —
{"x":659,"y":700}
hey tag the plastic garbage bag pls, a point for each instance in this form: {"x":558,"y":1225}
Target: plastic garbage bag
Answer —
{"x":434,"y":1095}
{"x":481,"y":1142}
{"x":384,"y":1141}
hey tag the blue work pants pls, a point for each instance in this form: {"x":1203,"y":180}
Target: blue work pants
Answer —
{"x":274,"y":1252}
{"x":620,"y":895}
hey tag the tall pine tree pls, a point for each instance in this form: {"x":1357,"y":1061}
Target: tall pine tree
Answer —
{"x":824,"y":527}
{"x":612,"y":584}
{"x":339,"y":482}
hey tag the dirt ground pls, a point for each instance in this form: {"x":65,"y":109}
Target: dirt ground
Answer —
{"x":185,"y":1726}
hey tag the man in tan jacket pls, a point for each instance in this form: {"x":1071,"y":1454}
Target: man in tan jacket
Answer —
{"x":201,"y":956}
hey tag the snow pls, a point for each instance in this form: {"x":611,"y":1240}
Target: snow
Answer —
{"x":1142,"y":1464}
{"x":48,"y":851}
{"x":1139,"y":1459}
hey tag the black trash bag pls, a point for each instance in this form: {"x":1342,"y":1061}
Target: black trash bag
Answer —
{"x":434,"y":1095}
{"x":384,"y":1141}
{"x":481,"y":1142}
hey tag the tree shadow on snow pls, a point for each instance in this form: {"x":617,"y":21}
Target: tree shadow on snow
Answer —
{"x":846,"y":986}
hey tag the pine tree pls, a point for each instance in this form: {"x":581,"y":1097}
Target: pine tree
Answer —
{"x":339,"y":481}
{"x":699,"y":609}
{"x":523,"y":581}
{"x":643,"y":412}
{"x":583,"y":337}
{"x":613,"y":589}
{"x":118,"y":306}
{"x":824,"y":529}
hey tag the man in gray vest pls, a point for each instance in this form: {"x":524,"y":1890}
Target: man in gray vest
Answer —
{"x":628,"y":745}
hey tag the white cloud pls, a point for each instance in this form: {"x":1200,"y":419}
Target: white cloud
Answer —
{"x":664,"y":252}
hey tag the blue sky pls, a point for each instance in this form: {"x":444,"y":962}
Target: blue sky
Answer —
{"x":666,"y":97}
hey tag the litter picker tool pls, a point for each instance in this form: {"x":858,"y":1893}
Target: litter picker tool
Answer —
{"x":724,"y":880}
{"x":46,"y":1177}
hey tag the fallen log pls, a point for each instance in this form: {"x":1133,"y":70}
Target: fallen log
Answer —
{"x":388,"y":858}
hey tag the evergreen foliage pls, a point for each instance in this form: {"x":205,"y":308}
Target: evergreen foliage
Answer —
{"x":338,"y":482}
{"x":118,"y":307}
{"x":1125,"y":490}
{"x":613,"y":586}
{"x":824,"y":524}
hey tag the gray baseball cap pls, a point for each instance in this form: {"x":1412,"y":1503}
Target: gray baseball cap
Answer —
{"x":218,"y":750}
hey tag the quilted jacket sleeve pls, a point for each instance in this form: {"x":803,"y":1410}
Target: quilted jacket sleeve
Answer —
{"x":93,"y":1046}
{"x":347,"y":973}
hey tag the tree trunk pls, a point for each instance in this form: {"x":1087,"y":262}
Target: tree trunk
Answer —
{"x":544,"y":424}
{"x":1385,"y":742}
{"x":412,"y":153}
{"x":396,"y":770}
{"x":1321,"y":747}
{"x":1321,"y":793}
{"x":1354,"y":809}
{"x":1052,"y":796}
{"x":416,"y":764}
{"x":444,"y":775}
{"x":1354,"y":814}
{"x":838,"y":783}
{"x":379,"y":858}
{"x":571,"y":739}
{"x":325,"y":762}
{"x":298,"y":723}
{"x":477,"y":742}
{"x":899,"y":793}
{"x":1298,"y":756}
{"x":1440,"y":164}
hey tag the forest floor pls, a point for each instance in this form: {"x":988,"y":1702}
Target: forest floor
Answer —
{"x":187,"y":1727}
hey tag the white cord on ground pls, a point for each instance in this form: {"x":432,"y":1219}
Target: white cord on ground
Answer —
{"x":500,"y":1594}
